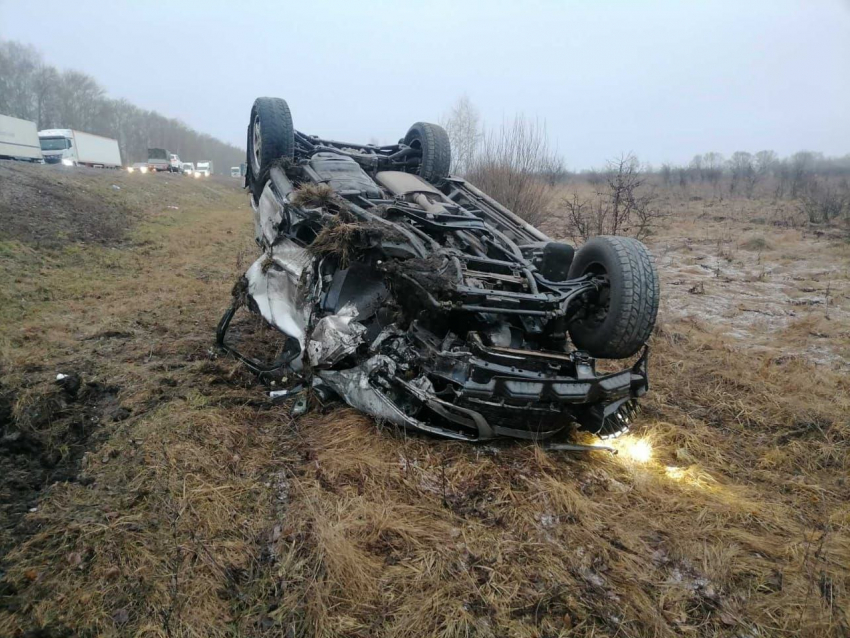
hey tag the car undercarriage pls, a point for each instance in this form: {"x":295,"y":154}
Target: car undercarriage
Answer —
{"x":416,"y":298}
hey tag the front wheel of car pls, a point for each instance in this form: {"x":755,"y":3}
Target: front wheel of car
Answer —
{"x":271,"y":137}
{"x":617,"y":321}
{"x":433,"y":141}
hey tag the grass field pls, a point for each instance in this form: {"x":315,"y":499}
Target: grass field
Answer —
{"x":167,"y":497}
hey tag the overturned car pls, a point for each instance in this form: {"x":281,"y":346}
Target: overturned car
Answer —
{"x":413,"y":296}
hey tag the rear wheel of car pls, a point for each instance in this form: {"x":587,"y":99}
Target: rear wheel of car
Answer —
{"x":271,"y":137}
{"x":436,"y":149}
{"x":618,"y":321}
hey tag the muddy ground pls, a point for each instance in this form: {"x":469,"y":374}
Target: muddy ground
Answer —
{"x":154,"y":491}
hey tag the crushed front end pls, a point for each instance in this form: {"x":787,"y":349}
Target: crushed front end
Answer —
{"x":468,"y":390}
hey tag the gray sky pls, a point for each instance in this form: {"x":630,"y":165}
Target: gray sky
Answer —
{"x":665,"y":79}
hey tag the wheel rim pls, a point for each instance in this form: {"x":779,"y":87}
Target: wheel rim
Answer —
{"x":256,"y":145}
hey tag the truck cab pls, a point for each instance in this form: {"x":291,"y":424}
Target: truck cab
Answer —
{"x":57,"y":145}
{"x":203,"y":169}
{"x":174,"y":163}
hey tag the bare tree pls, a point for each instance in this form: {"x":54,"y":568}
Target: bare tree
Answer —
{"x":682,"y":177}
{"x":45,"y":85}
{"x":463,"y":125}
{"x":696,"y":168}
{"x":511,"y":164}
{"x":765,"y":162}
{"x":713,"y":167}
{"x":18,"y":64}
{"x":554,"y":170}
{"x":800,"y":167}
{"x":822,"y":201}
{"x":623,"y":207}
{"x":743,"y":172}
{"x":594,"y":177}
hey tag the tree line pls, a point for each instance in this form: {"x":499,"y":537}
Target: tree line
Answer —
{"x":516,"y":164}
{"x":33,"y":90}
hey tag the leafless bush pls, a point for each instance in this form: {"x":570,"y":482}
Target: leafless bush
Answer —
{"x":513,"y":164}
{"x":742,"y":168}
{"x":554,"y":170}
{"x":823,"y":202}
{"x":623,"y":206}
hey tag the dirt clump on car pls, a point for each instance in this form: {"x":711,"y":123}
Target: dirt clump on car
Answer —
{"x":314,"y":196}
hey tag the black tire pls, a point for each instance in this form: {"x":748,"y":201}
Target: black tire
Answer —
{"x":271,"y":137}
{"x":436,"y":150}
{"x":620,"y":323}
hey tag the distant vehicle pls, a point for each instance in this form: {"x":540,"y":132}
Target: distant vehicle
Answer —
{"x":203,"y":169}
{"x":235,"y":171}
{"x":138,"y":167}
{"x":175,"y":163}
{"x":158,"y":159}
{"x":19,"y":140}
{"x":76,"y":148}
{"x":188,"y":168}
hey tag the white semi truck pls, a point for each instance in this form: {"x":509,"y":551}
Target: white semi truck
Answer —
{"x":204,"y":169}
{"x":75,"y":148}
{"x":19,"y":140}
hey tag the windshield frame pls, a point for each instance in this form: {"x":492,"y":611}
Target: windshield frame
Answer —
{"x":51,"y":143}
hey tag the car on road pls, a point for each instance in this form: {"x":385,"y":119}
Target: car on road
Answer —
{"x":188,"y":168}
{"x":415,"y":297}
{"x":139,"y":167}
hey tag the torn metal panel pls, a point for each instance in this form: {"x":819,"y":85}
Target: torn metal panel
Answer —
{"x":268,"y":215}
{"x":279,"y":283}
{"x":359,"y":391}
{"x":334,"y":337}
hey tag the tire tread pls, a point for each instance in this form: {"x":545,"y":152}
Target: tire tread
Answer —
{"x":436,"y":150}
{"x":639,"y":301}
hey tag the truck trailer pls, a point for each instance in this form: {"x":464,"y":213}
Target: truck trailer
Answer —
{"x":19,"y":140}
{"x":76,"y":148}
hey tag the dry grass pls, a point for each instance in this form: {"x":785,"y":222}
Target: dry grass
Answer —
{"x":338,"y":238}
{"x":209,"y":512}
{"x":314,"y":196}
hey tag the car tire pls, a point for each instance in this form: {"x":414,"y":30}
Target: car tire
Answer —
{"x":620,"y":321}
{"x":271,"y":137}
{"x":436,"y":150}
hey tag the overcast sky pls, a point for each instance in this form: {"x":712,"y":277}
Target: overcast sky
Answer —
{"x":662,"y":78}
